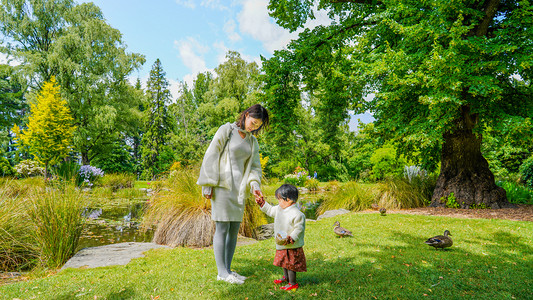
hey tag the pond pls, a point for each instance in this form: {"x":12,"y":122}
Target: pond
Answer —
{"x":114,"y":222}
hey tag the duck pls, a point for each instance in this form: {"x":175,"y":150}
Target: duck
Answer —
{"x":382,"y":211}
{"x":440,"y":241}
{"x":340,"y":231}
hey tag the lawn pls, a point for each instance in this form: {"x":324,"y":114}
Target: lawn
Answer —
{"x":386,"y":258}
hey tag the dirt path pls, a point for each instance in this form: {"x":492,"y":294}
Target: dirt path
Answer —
{"x":521,"y":213}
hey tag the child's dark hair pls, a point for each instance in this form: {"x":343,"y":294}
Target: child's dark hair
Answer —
{"x":287,"y":191}
{"x":257,"y":112}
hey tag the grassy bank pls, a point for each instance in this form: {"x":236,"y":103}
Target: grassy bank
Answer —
{"x":386,"y":258}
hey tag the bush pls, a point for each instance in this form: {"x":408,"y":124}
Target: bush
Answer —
{"x":526,"y":172}
{"x":517,"y":193}
{"x":352,"y":196}
{"x":312,"y":184}
{"x":117,"y":181}
{"x":29,"y":168}
{"x":5,"y":168}
{"x":88,"y":175}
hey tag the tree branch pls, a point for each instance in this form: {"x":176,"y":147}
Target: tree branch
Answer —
{"x":490,"y":7}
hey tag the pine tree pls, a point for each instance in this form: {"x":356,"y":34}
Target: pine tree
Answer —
{"x":50,"y":127}
{"x":156,"y":154}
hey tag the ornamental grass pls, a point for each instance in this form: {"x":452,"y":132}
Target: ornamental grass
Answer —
{"x":353,"y":196}
{"x":399,"y":193}
{"x":56,"y":219}
{"x":182,"y":215}
{"x":16,"y":250}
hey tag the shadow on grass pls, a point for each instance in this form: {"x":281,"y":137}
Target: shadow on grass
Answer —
{"x":408,"y":269}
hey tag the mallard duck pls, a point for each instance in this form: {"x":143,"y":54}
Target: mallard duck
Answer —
{"x":340,"y":231}
{"x":440,"y":241}
{"x":382,"y":211}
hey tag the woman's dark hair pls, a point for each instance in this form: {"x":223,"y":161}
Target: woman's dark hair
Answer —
{"x":257,"y":112}
{"x":287,"y":191}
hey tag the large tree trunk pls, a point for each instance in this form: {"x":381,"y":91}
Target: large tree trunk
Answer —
{"x":464,"y":171}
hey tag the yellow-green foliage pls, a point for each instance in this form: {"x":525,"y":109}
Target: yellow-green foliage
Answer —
{"x":352,"y":196}
{"x":50,"y":127}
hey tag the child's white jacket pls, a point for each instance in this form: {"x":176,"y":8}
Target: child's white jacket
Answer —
{"x":290,"y":220}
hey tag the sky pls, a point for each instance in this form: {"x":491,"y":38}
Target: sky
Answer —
{"x":193,"y":36}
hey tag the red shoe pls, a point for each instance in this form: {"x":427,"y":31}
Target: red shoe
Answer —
{"x":278,"y":281}
{"x":289,"y":287}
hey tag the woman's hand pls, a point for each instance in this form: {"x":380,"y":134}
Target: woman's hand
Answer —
{"x":289,"y":240}
{"x":209,"y":195}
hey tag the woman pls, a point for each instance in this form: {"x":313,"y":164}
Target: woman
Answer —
{"x":230,"y":168}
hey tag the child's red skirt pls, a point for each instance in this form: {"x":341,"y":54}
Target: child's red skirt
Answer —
{"x":291,"y":259}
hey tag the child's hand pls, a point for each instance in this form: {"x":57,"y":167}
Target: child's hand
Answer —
{"x":289,"y":240}
{"x":260,"y":200}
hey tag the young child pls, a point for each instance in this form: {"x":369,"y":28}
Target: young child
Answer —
{"x":290,"y":220}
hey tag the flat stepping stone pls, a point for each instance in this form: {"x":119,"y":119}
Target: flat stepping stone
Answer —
{"x":109,"y":255}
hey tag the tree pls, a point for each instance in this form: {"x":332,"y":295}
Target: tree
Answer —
{"x":156,"y":154}
{"x":235,"y":88}
{"x":13,"y":105}
{"x":440,"y":71}
{"x":49,"y":131}
{"x":74,"y":43}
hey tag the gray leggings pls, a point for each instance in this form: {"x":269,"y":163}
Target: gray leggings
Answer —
{"x":224,"y":243}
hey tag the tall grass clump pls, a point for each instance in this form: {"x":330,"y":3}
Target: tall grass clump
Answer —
{"x":352,"y":196}
{"x":398,"y":193}
{"x":56,"y":223}
{"x":16,"y":249}
{"x":117,"y":181}
{"x":181,"y":213}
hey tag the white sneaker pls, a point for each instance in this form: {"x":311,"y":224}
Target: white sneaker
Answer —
{"x":230,"y":279}
{"x":238,"y":276}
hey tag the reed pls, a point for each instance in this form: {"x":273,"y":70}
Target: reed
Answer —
{"x":56,"y":223}
{"x":16,"y":249}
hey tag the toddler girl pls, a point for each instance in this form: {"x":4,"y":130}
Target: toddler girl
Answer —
{"x":289,"y":229}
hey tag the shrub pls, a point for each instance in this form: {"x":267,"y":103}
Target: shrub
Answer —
{"x":311,"y":184}
{"x":526,"y":172}
{"x":117,"y":181}
{"x":291,"y":179}
{"x":88,"y":175}
{"x":66,"y":171}
{"x":29,"y":168}
{"x":517,"y":193}
{"x":352,"y":196}
{"x":332,"y":186}
{"x":5,"y":168}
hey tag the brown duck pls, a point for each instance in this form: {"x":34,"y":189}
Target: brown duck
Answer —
{"x":340,"y":231}
{"x":440,"y":241}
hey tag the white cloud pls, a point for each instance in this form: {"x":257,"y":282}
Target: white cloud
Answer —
{"x":191,"y":53}
{"x":187,"y":3}
{"x":6,"y":60}
{"x":255,"y":21}
{"x":229,"y":29}
{"x":213,"y":4}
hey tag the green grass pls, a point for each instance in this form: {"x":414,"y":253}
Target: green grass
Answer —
{"x":385,"y":259}
{"x":517,"y":193}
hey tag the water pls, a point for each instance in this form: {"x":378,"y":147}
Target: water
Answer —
{"x":113,"y":224}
